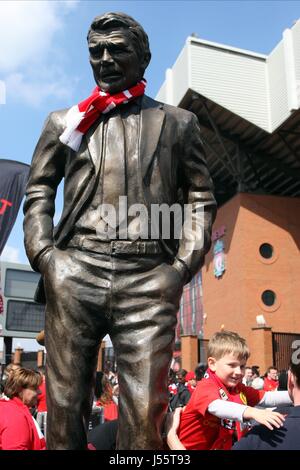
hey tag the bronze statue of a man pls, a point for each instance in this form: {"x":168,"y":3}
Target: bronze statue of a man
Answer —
{"x":106,"y":276}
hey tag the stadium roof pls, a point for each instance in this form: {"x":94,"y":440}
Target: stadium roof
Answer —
{"x":248,"y":106}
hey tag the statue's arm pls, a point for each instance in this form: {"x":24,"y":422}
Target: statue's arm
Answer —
{"x":198,"y":188}
{"x":47,"y":170}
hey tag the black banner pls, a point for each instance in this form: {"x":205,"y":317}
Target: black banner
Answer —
{"x":13,"y":179}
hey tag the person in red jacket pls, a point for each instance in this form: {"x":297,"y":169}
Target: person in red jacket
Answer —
{"x":110,"y":409}
{"x":18,"y":429}
{"x":221,"y":407}
{"x":271,"y":380}
{"x":191,"y":381}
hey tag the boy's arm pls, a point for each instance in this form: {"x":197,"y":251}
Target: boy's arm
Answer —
{"x":237,"y":412}
{"x":227,"y":410}
{"x":275,"y":399}
{"x":267,"y":417}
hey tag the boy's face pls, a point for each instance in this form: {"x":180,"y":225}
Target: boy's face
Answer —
{"x":228,"y":368}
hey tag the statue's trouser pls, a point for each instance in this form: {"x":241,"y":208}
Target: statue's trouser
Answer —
{"x":134,"y":300}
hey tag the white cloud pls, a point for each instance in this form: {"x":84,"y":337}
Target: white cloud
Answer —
{"x":34,"y":91}
{"x":70,"y":4}
{"x":10,"y":254}
{"x":29,"y":32}
{"x":26,"y":29}
{"x":2,"y":92}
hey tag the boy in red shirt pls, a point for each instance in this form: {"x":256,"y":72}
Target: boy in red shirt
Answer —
{"x":221,"y":407}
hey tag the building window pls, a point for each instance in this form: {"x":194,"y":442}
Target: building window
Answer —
{"x":268,"y":297}
{"x":22,"y":315}
{"x":266,"y":250}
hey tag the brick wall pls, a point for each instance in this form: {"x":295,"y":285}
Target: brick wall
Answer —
{"x":234,"y":301}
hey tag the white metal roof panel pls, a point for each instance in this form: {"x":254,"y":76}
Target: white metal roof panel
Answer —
{"x":277,"y":83}
{"x":263,"y":90}
{"x":235,"y":81}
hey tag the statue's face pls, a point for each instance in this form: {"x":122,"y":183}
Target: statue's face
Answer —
{"x":114,"y":60}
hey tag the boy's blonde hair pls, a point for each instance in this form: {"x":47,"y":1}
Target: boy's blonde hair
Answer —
{"x":226,"y":342}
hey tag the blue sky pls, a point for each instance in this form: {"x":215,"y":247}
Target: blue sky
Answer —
{"x":44,"y":59}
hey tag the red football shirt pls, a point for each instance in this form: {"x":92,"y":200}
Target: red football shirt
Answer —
{"x":270,"y":385}
{"x":199,"y":430}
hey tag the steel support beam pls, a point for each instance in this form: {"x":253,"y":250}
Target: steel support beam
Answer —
{"x":219,"y":137}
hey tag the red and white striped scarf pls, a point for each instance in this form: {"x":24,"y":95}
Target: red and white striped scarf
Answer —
{"x":83,"y":115}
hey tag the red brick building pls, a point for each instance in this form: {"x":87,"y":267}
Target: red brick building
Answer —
{"x":248,"y":107}
{"x":253,"y":285}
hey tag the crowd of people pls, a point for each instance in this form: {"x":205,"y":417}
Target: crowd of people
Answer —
{"x":223,"y":404}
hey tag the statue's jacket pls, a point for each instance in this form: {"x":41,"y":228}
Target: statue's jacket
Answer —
{"x":172,"y":169}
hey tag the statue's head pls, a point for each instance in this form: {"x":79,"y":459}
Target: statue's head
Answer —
{"x":119,"y":51}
